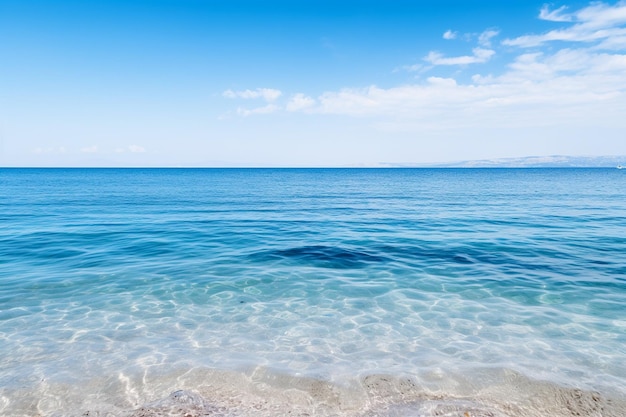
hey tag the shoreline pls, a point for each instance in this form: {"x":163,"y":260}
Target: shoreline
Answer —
{"x":263,"y":392}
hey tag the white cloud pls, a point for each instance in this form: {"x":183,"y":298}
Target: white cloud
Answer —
{"x":569,"y":62}
{"x":581,"y":84}
{"x":50,"y":150}
{"x":300,"y":102}
{"x":595,"y":23}
{"x":131,"y":148}
{"x":450,"y":35}
{"x":574,"y":34}
{"x":136,"y":149}
{"x":557,"y":15}
{"x":567,"y":88}
{"x":412,"y":68}
{"x":267,"y":94}
{"x":484,"y":39}
{"x":614,"y":43}
{"x":90,"y":149}
{"x":270,"y":108}
{"x":480,"y":55}
{"x":442,"y":82}
{"x":601,"y":15}
{"x":297,"y":102}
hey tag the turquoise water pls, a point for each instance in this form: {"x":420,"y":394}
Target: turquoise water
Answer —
{"x":365,"y":292}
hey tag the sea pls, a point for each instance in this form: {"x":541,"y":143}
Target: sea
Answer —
{"x":312,"y":292}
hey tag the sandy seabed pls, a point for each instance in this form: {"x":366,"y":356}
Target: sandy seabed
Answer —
{"x":261,"y":392}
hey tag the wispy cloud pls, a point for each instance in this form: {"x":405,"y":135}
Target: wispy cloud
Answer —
{"x":90,"y":149}
{"x":557,"y":15}
{"x":270,"y":108}
{"x":300,"y":102}
{"x":136,"y":149}
{"x":578,"y":83}
{"x":131,"y":148}
{"x":593,"y":24}
{"x":572,"y":83}
{"x":267,"y":94}
{"x":503,"y":101}
{"x":484,"y":39}
{"x":50,"y":150}
{"x":480,"y":55}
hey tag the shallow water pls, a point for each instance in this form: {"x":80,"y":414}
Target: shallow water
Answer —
{"x":258,"y":291}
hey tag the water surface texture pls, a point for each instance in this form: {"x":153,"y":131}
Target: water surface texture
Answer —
{"x":356,"y":292}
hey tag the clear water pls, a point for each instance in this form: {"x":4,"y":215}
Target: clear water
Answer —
{"x":487,"y":292}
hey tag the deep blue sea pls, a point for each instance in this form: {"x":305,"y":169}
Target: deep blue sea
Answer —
{"x":317,"y":292}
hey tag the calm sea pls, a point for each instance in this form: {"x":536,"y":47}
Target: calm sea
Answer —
{"x":343,"y":292}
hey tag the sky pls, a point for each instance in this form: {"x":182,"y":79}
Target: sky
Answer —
{"x":308,"y":83}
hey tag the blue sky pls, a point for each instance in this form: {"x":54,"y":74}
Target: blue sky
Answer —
{"x":308,"y":83}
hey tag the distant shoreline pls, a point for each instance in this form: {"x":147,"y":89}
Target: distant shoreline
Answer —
{"x":551,"y":161}
{"x":495,"y":167}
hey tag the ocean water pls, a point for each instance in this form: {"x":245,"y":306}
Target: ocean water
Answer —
{"x":331,"y":292}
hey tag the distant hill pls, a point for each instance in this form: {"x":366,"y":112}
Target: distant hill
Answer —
{"x":552,"y":161}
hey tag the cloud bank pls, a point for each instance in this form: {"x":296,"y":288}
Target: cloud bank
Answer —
{"x":575,"y":74}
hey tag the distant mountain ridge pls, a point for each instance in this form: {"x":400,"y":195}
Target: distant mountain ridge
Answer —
{"x":551,"y":161}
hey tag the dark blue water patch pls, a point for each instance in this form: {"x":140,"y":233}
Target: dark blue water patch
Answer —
{"x":322,"y":256}
{"x":419,"y":256}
